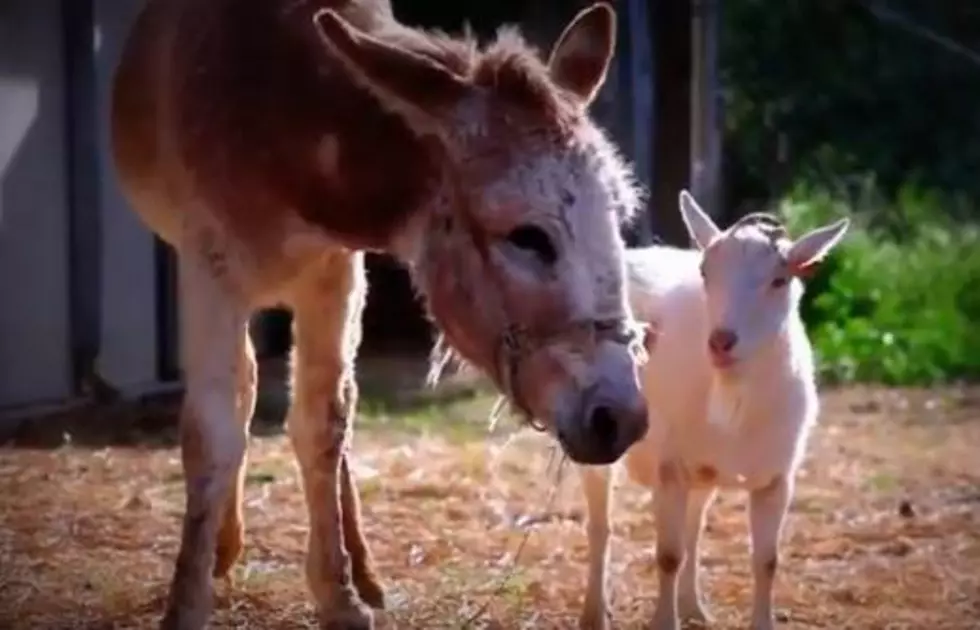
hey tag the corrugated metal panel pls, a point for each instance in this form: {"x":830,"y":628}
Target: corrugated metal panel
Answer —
{"x":707,"y":123}
{"x":85,"y":222}
{"x":639,"y":63}
{"x":34,"y":321}
{"x":78,"y":279}
{"x":128,"y":356}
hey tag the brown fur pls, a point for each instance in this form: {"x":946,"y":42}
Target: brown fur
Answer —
{"x":668,"y":562}
{"x":246,"y":160}
{"x":271,"y":142}
{"x":705,"y":474}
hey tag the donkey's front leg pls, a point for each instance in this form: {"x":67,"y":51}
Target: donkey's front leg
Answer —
{"x":212,"y":443}
{"x":327,"y":310}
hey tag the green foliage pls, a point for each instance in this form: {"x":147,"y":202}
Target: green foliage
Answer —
{"x":820,"y":90}
{"x":838,"y":110}
{"x":898,"y":301}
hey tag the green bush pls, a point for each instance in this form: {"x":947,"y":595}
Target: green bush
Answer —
{"x":898,"y":301}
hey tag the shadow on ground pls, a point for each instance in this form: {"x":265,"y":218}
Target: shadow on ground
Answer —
{"x":393,"y":393}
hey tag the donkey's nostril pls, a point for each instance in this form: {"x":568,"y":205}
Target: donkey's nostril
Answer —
{"x":722,"y":340}
{"x":602,"y":425}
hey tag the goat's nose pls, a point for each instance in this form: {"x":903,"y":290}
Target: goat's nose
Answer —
{"x":722,"y":340}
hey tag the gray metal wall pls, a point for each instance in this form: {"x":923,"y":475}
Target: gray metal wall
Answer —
{"x":77,"y":269}
{"x":34,"y":308}
{"x":128,"y":353}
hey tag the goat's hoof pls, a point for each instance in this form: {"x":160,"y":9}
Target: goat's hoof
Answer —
{"x":369,"y":589}
{"x":355,"y":616}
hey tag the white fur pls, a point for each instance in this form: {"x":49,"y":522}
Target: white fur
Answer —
{"x":743,"y":427}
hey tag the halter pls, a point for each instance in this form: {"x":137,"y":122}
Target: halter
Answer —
{"x":516,"y":343}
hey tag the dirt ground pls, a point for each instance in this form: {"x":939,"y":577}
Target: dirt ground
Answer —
{"x":884,"y":530}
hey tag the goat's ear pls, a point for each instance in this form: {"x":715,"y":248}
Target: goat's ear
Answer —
{"x":417,"y":88}
{"x":699,"y":225}
{"x":580,"y":59}
{"x":808,"y":250}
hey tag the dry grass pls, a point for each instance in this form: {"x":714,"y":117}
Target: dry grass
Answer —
{"x":884,"y":531}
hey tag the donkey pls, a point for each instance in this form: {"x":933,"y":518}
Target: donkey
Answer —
{"x":273,"y":142}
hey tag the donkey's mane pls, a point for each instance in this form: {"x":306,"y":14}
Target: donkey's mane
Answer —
{"x":513,"y":70}
{"x":508,"y":65}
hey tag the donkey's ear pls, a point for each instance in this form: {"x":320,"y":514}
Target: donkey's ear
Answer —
{"x":417,"y":88}
{"x":580,"y":59}
{"x":807,"y":251}
{"x":699,"y":225}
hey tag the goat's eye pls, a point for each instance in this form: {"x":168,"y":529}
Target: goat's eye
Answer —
{"x":533,"y":239}
{"x":779,"y":282}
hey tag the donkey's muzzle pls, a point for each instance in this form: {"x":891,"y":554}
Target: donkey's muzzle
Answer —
{"x":603,"y":434}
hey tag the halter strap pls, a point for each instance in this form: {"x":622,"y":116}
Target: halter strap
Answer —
{"x":516,"y":342}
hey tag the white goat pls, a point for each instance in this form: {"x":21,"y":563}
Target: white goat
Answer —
{"x":731,"y":396}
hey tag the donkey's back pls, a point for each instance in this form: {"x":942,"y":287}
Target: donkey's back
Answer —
{"x":220,"y":110}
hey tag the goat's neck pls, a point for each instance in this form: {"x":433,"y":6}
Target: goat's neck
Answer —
{"x":772,"y":367}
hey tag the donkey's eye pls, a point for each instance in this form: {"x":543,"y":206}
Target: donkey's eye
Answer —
{"x":533,"y":239}
{"x":778,"y":283}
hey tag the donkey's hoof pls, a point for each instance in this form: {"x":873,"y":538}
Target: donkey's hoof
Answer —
{"x":370,"y":590}
{"x":665,"y":620}
{"x":185,"y":618}
{"x":593,"y":619}
{"x":189,"y":604}
{"x":354,"y":617}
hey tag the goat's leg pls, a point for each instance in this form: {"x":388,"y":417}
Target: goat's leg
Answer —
{"x":670,"y":506}
{"x":327,"y":310}
{"x":690,"y":603}
{"x":212,"y":443}
{"x":767,"y":512}
{"x":595,"y":483}
{"x":231,"y":536}
{"x":362,"y":564}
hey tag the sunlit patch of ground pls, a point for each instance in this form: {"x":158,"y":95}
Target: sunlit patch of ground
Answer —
{"x":884,"y":531}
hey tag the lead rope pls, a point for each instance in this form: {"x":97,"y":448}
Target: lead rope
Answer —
{"x":507,"y":355}
{"x":502,"y":584}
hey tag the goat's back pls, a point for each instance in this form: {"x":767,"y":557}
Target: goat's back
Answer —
{"x":665,"y":289}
